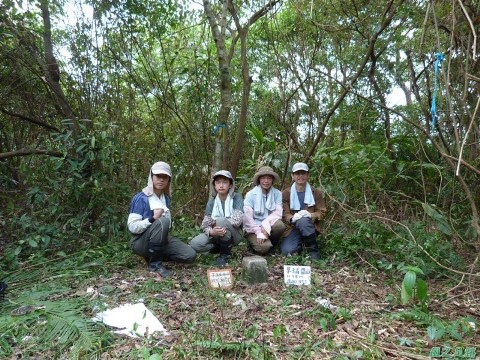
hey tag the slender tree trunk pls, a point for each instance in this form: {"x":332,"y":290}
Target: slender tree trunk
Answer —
{"x":386,"y":113}
{"x":218,"y":26}
{"x":242,"y":121}
{"x":52,"y":70}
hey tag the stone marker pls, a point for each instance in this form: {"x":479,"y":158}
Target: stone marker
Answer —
{"x":255,"y":269}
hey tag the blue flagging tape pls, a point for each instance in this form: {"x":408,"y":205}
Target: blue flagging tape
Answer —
{"x":433,"y":110}
{"x":217,"y":129}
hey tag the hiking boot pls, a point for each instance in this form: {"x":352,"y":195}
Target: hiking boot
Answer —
{"x":222,"y":260}
{"x":215,"y":249}
{"x":311,"y":246}
{"x":160,"y":269}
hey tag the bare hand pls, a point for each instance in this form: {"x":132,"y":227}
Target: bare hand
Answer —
{"x":260,"y":241}
{"x":264,"y":232}
{"x":218,"y":231}
{"x":157,"y":213}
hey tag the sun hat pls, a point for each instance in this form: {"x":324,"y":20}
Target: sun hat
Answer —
{"x":299,"y":167}
{"x":161,"y":167}
{"x":265,"y":170}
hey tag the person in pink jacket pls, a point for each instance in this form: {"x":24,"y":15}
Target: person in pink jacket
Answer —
{"x":262,"y":208}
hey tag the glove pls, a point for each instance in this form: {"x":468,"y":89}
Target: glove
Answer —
{"x":304,"y":213}
{"x":296,"y":217}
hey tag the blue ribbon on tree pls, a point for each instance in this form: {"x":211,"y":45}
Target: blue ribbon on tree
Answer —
{"x":433,"y":110}
{"x":218,"y":130}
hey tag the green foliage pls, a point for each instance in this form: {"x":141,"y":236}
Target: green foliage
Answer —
{"x":390,"y":246}
{"x":70,"y":198}
{"x":413,"y":287}
{"x":58,"y":324}
{"x":38,"y":312}
{"x":438,"y":329}
{"x":440,"y":221}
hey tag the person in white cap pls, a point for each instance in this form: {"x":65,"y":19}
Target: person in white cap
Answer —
{"x":149,"y":222}
{"x":303,"y":208}
{"x":262,"y":219}
{"x":222,"y":222}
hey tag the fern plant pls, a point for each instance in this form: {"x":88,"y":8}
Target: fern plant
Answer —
{"x":40,"y":317}
{"x":59,"y":325}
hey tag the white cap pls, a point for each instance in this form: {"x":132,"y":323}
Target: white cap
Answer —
{"x":226,"y":174}
{"x":223,"y":173}
{"x":161,"y":168}
{"x":299,"y":167}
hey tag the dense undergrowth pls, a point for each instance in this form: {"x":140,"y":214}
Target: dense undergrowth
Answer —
{"x":50,"y":303}
{"x":395,"y":251}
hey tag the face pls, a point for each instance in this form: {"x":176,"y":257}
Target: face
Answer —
{"x":300,"y":177}
{"x":265,"y":181}
{"x":222,"y":185}
{"x":160,"y":182}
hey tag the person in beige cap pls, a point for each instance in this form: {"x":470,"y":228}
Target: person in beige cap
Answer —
{"x":262,"y":219}
{"x":303,"y":208}
{"x":149,"y":222}
{"x":222,"y":222}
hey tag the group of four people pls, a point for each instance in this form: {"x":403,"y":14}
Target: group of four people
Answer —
{"x":266,"y":215}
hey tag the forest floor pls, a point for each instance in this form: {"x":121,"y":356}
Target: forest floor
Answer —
{"x":276,"y":321}
{"x":365,"y":319}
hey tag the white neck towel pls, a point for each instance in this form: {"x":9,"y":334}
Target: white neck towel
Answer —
{"x":260,"y":203}
{"x":218,"y":209}
{"x":295,"y":203}
{"x":156,"y":202}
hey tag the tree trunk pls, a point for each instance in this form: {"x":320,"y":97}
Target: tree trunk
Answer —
{"x":218,"y":25}
{"x":52,"y":70}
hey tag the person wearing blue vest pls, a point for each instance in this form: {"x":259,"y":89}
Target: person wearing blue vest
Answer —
{"x":262,"y":219}
{"x":303,"y":208}
{"x":150,"y":220}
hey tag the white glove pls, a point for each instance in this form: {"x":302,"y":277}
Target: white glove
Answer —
{"x":295,"y":217}
{"x":304,"y":213}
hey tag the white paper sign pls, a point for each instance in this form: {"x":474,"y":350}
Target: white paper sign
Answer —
{"x":297,"y":275}
{"x":131,"y":320}
{"x":220,"y":278}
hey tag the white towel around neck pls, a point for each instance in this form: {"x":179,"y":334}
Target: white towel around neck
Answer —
{"x":218,"y":209}
{"x":295,"y":203}
{"x":159,"y":202}
{"x":260,"y":205}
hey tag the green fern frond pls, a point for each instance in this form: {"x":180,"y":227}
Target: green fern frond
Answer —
{"x":59,"y":324}
{"x":68,"y":328}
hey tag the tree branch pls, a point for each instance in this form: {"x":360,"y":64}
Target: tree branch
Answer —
{"x":26,"y":152}
{"x":385,"y":23}
{"x":34,"y":121}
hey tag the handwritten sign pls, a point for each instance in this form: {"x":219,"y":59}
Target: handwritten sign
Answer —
{"x":297,"y":275}
{"x":220,"y":278}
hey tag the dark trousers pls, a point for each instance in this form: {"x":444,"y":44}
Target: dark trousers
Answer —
{"x":157,"y":243}
{"x":303,"y":231}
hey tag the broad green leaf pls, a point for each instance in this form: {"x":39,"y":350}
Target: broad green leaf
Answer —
{"x":414,"y":269}
{"x":405,"y":296}
{"x":409,"y":282}
{"x":430,"y":211}
{"x":422,"y":290}
{"x":257,"y":134}
{"x":32,"y":243}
